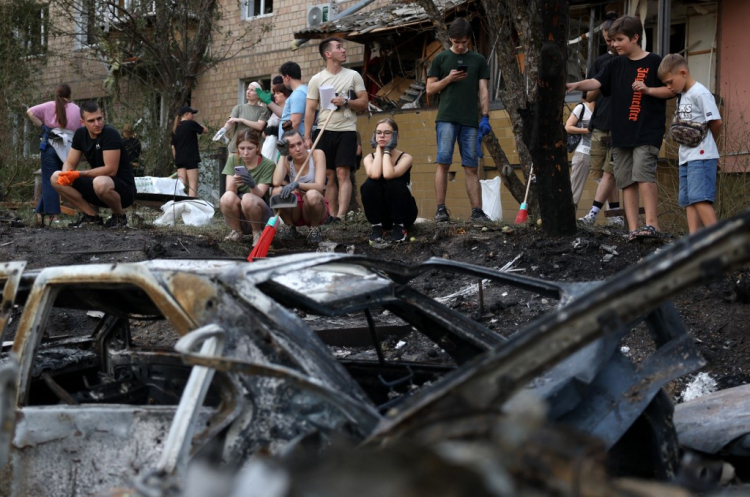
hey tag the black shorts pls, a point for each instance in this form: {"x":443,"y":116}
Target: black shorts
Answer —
{"x":340,"y":148}
{"x":85,"y":187}
{"x":190,"y":165}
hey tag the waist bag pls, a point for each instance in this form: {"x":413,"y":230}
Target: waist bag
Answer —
{"x":684,"y":132}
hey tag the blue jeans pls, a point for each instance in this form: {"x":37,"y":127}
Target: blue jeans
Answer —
{"x":49,"y":203}
{"x":447,"y":133}
{"x":697,"y":182}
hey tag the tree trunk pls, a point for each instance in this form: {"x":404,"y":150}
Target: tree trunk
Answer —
{"x":547,"y":144}
{"x":438,"y":21}
{"x":516,"y":23}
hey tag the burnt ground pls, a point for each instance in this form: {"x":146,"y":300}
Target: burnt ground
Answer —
{"x":715,"y":315}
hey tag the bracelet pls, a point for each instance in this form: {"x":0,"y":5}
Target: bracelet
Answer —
{"x":386,"y":152}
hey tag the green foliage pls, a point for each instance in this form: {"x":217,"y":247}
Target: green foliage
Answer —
{"x":154,"y":51}
{"x":23,"y":54}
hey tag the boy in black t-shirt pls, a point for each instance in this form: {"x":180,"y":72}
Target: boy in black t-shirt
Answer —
{"x":638,"y":115}
{"x":109,"y":182}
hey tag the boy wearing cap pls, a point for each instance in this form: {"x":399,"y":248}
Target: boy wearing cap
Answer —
{"x":185,"y":147}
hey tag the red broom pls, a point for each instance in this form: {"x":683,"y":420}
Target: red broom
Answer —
{"x":264,"y":242}
{"x":524,"y":213}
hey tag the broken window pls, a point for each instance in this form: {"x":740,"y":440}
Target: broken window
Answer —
{"x":102,"y":350}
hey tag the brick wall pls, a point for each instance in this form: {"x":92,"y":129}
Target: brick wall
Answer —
{"x":217,"y":90}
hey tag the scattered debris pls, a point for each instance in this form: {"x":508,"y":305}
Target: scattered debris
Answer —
{"x":249,"y":376}
{"x":701,"y":385}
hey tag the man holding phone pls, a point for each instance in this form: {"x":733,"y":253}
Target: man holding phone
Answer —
{"x":460,"y":77}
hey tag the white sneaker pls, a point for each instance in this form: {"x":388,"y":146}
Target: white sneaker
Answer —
{"x":234,"y":236}
{"x":256,"y":237}
{"x":589,"y":219}
{"x":617,"y":222}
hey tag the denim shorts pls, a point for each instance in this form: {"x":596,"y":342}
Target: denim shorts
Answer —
{"x":698,"y":181}
{"x":447,"y":133}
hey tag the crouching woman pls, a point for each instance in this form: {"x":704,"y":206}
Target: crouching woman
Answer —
{"x":312,"y":207}
{"x":386,"y":198}
{"x":249,"y":177}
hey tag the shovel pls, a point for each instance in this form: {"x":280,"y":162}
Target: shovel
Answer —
{"x":276,"y":202}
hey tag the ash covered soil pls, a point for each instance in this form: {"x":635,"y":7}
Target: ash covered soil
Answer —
{"x":715,"y":315}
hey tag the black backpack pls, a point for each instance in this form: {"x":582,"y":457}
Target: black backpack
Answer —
{"x":574,"y":140}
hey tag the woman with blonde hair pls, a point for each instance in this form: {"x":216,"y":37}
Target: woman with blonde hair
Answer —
{"x":64,"y":117}
{"x":251,"y":115}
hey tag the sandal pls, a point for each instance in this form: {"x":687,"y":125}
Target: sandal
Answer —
{"x":645,"y":231}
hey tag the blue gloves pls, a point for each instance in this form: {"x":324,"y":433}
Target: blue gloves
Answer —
{"x":286,"y":190}
{"x":247,"y":178}
{"x":484,"y":130}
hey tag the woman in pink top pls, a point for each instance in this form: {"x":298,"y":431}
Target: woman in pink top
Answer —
{"x":58,"y":113}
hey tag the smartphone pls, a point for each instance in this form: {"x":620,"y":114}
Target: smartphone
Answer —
{"x":463,"y":67}
{"x":239,"y":170}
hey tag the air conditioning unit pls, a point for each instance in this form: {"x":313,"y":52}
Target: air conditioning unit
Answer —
{"x":318,"y":14}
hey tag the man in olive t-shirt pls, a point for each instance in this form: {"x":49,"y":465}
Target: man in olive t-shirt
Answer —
{"x":460,"y":77}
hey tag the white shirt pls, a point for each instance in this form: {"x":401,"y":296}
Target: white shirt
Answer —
{"x":584,"y":146}
{"x":698,"y":105}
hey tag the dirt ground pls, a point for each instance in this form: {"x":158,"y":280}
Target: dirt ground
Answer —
{"x":715,"y":315}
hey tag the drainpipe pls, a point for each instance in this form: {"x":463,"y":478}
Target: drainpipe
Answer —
{"x":351,"y":10}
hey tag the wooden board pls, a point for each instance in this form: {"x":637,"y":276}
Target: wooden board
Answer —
{"x":395,"y":88}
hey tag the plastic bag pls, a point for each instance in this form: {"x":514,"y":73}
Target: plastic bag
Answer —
{"x":192,"y":213}
{"x":491,"y":204}
{"x":269,"y":150}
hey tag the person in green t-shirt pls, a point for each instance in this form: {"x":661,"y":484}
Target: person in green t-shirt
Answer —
{"x":249,"y":177}
{"x":460,"y":77}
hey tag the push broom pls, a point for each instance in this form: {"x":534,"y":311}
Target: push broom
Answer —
{"x":264,"y":242}
{"x":524,"y":212}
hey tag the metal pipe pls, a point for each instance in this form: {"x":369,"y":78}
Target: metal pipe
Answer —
{"x":374,"y":335}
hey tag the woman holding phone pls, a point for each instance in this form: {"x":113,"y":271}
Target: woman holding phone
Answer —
{"x":249,"y":177}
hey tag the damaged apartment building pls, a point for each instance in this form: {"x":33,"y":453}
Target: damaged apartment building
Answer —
{"x":392,"y":44}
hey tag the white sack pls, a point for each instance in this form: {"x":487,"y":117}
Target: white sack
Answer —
{"x":491,"y":204}
{"x":192,"y":213}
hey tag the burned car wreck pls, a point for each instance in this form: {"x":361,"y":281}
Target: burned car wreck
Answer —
{"x":102,"y":409}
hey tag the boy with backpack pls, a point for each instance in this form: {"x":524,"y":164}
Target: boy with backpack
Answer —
{"x":696,"y":123}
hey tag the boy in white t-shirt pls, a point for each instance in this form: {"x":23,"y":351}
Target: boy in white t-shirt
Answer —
{"x":698,"y":164}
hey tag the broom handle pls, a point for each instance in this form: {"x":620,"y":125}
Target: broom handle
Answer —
{"x":528,"y":184}
{"x":309,"y":154}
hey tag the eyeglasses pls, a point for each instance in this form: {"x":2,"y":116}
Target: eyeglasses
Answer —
{"x":384,"y":133}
